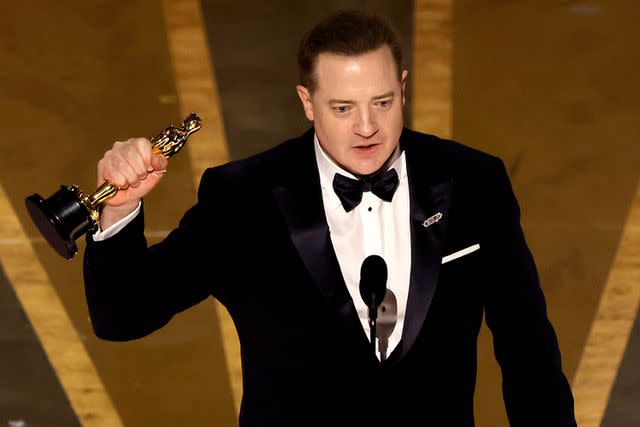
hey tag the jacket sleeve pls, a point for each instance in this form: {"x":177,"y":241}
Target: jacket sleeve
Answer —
{"x":535,"y":390}
{"x":132,"y":289}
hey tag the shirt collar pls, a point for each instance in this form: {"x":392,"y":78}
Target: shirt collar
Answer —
{"x":328,"y":168}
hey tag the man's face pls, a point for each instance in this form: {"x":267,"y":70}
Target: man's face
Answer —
{"x":356,"y":108}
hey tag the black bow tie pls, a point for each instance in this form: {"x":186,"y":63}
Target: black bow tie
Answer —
{"x":349,"y":190}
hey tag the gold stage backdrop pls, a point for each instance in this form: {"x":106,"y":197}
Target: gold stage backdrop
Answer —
{"x":550,"y":87}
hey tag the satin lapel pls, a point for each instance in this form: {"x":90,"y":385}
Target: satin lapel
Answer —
{"x":304,"y":214}
{"x":300,"y":200}
{"x":428,"y":197}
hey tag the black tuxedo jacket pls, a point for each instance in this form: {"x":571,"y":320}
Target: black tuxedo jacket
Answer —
{"x":258,"y":241}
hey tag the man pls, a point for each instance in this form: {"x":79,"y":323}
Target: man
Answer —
{"x":286,"y":232}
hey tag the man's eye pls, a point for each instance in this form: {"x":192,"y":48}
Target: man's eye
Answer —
{"x":341,"y":109}
{"x":384,"y":104}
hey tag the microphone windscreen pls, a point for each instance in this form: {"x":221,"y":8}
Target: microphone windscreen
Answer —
{"x":373,"y":279}
{"x":387,"y":316}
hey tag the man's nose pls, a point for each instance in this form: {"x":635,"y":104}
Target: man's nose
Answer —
{"x":366,"y":125}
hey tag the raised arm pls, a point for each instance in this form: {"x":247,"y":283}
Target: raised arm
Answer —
{"x":132,"y":289}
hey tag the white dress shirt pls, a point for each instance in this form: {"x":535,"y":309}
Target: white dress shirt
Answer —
{"x":374,"y":227}
{"x":101,"y":234}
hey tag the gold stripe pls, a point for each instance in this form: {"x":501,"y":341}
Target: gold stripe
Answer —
{"x":197,"y":91}
{"x":52,"y":325}
{"x":432,"y":65}
{"x":611,"y":327}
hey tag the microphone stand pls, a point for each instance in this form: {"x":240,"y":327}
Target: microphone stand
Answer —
{"x":373,"y":315}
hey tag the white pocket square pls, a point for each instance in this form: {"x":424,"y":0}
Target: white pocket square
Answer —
{"x":461,"y":253}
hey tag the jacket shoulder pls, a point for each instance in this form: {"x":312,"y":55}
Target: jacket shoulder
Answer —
{"x":448,"y":156}
{"x":261,"y":170}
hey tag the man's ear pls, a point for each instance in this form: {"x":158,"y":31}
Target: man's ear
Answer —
{"x":305,"y":98}
{"x":403,"y":80}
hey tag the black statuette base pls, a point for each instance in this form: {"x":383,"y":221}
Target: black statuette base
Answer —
{"x":61,"y":219}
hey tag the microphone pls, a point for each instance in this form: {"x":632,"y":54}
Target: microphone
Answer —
{"x":373,"y":287}
{"x":386,"y":323}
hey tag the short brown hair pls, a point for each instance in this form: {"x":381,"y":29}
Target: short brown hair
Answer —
{"x":349,"y":33}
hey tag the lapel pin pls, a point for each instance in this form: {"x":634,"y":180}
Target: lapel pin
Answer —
{"x":432,"y":220}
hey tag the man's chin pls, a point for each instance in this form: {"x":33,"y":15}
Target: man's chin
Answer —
{"x":366,"y":170}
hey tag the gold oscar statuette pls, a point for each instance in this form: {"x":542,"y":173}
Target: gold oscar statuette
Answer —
{"x":69,"y":213}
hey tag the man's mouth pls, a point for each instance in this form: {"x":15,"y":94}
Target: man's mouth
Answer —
{"x":365,"y":148}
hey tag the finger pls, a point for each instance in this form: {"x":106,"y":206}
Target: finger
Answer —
{"x":106,"y":171}
{"x":115,"y":177}
{"x":143,"y":145}
{"x":100,"y":171}
{"x":122,"y":165}
{"x":159,"y":162}
{"x":135,"y":158}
